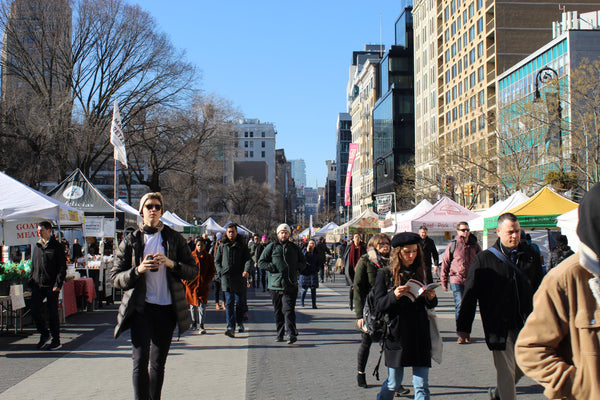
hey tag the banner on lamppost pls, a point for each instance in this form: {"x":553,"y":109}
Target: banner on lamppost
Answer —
{"x":352,"y":150}
{"x":117,"y":139}
{"x":384,"y":204}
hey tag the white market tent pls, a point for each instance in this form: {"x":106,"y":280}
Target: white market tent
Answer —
{"x":168,"y":218}
{"x":20,"y":203}
{"x":443,"y":216}
{"x":123,"y":206}
{"x":402,"y":216}
{"x":498,"y":208}
{"x":329,"y":227}
{"x":366,"y":222}
{"x":567,"y":223}
{"x":211,"y":226}
{"x":242,"y":230}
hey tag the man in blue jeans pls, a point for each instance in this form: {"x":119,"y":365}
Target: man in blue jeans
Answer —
{"x":456,"y":261}
{"x":234,"y":264}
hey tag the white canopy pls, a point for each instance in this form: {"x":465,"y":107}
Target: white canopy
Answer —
{"x":363,"y":218}
{"x":242,"y":230}
{"x":329,"y":227}
{"x":498,"y":208}
{"x":123,"y":206}
{"x":20,"y":203}
{"x":567,"y":223}
{"x":401,"y":216}
{"x":211,"y":226}
{"x":168,"y":218}
{"x":443,"y":216}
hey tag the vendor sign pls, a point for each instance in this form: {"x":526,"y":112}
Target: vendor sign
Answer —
{"x":21,"y":232}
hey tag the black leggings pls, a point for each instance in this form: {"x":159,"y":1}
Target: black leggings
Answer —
{"x":218,"y":292}
{"x":151,"y":334}
{"x":363,"y":351}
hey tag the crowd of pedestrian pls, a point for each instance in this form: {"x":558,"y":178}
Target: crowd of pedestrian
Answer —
{"x":552,"y":334}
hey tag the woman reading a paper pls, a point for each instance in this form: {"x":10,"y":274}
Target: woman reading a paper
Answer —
{"x":408,"y":341}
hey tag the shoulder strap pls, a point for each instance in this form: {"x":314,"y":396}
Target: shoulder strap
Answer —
{"x":506,"y":261}
{"x":452,"y":249}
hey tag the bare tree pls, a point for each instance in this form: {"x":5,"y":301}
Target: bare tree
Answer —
{"x":250,"y":203}
{"x":585,"y":124}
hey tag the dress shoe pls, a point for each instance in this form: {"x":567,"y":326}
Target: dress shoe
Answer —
{"x":292,"y":340}
{"x":54,"y":345}
{"x":229,"y":333}
{"x":362,"y":380}
{"x":279,"y":339}
{"x":402,"y":391}
{"x":241,"y":328}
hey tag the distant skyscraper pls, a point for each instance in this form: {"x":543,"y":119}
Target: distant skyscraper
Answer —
{"x":254,"y":154}
{"x":299,"y":172}
{"x":343,"y":139}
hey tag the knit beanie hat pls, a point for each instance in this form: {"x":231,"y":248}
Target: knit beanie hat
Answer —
{"x":284,"y":227}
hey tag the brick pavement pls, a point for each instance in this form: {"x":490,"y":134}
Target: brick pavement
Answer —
{"x":321,"y":365}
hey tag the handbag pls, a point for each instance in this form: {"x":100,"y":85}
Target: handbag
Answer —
{"x":436,"y":339}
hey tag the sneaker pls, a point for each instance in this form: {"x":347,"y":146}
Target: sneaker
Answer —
{"x":54,"y":345}
{"x":279,"y":339}
{"x":292,"y":340}
{"x":202,"y":331}
{"x":194,"y":327}
{"x":229,"y":333}
{"x":43,"y":340}
{"x":402,"y":391}
{"x":241,"y":328}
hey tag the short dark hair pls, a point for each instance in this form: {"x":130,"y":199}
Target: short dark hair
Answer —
{"x":461,"y":223}
{"x":507,"y":216}
{"x":232,"y":225}
{"x":423,"y":227}
{"x":46,"y":225}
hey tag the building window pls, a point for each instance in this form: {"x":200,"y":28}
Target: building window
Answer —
{"x":262,"y":154}
{"x":472,"y":56}
{"x":246,"y":154}
{"x":471,"y":10}
{"x":479,"y":4}
{"x":480,"y":74}
{"x":480,"y":50}
{"x":472,"y":34}
{"x":480,"y":25}
{"x":472,"y":79}
{"x":246,"y":144}
{"x":251,"y":134}
{"x":262,"y":134}
{"x":481,"y":98}
{"x":262,"y":144}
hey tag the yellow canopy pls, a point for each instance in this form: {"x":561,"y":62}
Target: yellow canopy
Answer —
{"x":544,"y":202}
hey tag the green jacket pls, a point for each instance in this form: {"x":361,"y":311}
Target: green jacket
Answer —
{"x":283,"y":263}
{"x":364,"y":279}
{"x":231,"y":260}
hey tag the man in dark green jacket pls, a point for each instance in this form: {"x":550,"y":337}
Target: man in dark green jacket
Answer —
{"x":234,"y":264}
{"x":283,"y":261}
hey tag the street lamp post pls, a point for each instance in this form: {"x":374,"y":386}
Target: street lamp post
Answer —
{"x":543,"y":76}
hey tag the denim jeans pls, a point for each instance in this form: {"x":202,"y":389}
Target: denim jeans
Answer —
{"x":234,"y":309}
{"x":458,"y":291}
{"x":394,"y":380}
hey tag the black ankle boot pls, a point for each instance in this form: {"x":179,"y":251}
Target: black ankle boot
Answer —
{"x":362,"y":380}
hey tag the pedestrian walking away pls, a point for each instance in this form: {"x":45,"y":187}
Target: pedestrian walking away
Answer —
{"x":430,"y":253}
{"x":309,"y":278}
{"x":48,"y":271}
{"x":234,"y":265}
{"x":502,"y":279}
{"x":408,"y":341}
{"x":456,"y":262}
{"x":196,"y":291}
{"x":151,"y":263}
{"x":352,"y":254}
{"x":283,"y":260}
{"x":558,"y":346}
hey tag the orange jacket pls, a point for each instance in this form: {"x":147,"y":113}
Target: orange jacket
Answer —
{"x":197,"y":290}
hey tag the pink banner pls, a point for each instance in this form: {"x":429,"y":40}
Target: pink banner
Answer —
{"x":352,"y":150}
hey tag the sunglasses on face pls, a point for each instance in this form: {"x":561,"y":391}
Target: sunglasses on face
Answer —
{"x":464,"y":230}
{"x":151,"y":206}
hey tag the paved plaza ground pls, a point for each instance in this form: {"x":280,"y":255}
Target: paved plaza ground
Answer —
{"x":321,"y":365}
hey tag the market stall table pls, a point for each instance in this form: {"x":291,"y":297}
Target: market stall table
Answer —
{"x":83,"y":287}
{"x":10,"y":318}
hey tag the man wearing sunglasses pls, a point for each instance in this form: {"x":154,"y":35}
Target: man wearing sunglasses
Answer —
{"x":456,"y":261}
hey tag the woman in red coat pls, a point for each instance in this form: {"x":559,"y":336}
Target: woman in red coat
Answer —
{"x":196,"y":291}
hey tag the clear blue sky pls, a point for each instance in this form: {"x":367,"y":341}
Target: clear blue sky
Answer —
{"x":284,"y":62}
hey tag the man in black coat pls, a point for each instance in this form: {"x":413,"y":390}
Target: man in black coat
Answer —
{"x":48,"y":271}
{"x":430,"y":252}
{"x":503,"y":279}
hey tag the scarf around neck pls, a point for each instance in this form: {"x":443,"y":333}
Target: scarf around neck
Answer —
{"x":151,"y":230}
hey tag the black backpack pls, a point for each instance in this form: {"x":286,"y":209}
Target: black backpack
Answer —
{"x":375,"y":322}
